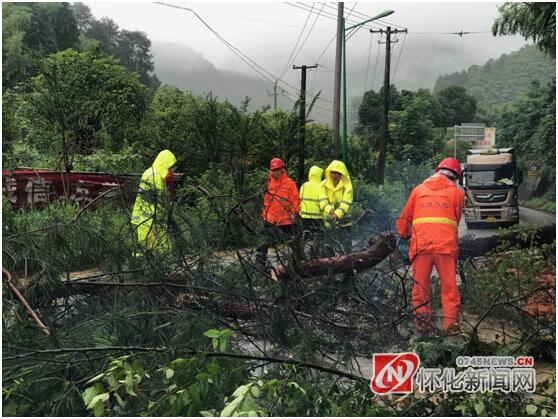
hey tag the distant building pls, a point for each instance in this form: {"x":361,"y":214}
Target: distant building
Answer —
{"x":480,"y":136}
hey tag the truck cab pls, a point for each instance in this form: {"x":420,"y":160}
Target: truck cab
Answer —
{"x":490,"y":182}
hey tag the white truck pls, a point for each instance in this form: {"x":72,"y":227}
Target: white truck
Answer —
{"x":490,"y":181}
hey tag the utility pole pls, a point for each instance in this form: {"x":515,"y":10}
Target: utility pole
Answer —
{"x":384,"y":133}
{"x":275,"y":93}
{"x":302,"y":108}
{"x":337,"y":81}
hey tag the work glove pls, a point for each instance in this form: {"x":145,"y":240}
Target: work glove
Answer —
{"x":403,"y":247}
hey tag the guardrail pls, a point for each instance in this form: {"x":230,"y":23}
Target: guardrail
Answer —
{"x":37,"y":188}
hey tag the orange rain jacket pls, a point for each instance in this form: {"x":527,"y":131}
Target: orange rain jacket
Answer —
{"x":432,"y":215}
{"x":281,"y":200}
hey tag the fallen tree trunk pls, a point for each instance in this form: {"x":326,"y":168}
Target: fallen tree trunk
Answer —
{"x":378,"y":249}
{"x":380,"y":246}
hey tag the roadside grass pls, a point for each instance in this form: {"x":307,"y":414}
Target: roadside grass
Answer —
{"x":547,"y":203}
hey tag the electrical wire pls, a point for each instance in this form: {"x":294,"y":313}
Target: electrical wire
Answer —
{"x":297,"y":41}
{"x":317,"y":60}
{"x":364,"y":16}
{"x":329,"y":15}
{"x":309,"y":32}
{"x":400,"y":52}
{"x":247,"y":60}
{"x":448,"y":33}
{"x":376,"y":67}
{"x":368,"y":61}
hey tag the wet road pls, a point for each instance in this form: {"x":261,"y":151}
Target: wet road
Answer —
{"x":526,"y":216}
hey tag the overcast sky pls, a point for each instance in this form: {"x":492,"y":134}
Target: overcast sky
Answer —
{"x":267,"y":33}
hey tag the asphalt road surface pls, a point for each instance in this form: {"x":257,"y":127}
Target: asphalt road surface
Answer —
{"x":526,"y":216}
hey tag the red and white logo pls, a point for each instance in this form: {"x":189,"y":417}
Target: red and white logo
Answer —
{"x":393,"y":373}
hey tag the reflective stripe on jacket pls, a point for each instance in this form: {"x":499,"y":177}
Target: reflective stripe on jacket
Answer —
{"x":431,"y":217}
{"x":310,"y":195}
{"x":337,"y":197}
{"x":281,"y":200}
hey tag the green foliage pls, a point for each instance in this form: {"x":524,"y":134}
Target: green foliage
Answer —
{"x":529,"y":125}
{"x":417,"y":126}
{"x":83,"y":95}
{"x":457,"y":106}
{"x":534,"y":21}
{"x":130,"y":48}
{"x":32,"y":30}
{"x":504,"y":79}
{"x":547,"y":202}
{"x":491,"y":404}
{"x":65,"y":237}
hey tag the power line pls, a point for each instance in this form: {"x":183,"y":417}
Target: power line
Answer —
{"x":297,"y":41}
{"x":251,"y":63}
{"x":327,"y":14}
{"x":331,"y":40}
{"x":377,"y":61}
{"x":308,"y":34}
{"x":364,"y":16}
{"x":368,"y":61}
{"x":461,"y":33}
{"x":317,"y":60}
{"x":400,"y":52}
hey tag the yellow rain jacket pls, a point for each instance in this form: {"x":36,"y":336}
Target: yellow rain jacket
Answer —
{"x":150,"y":213}
{"x":310,"y":195}
{"x":338,"y":197}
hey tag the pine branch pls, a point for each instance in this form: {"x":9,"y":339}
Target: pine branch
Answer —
{"x":302,"y":364}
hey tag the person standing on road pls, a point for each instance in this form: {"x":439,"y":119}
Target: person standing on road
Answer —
{"x":430,"y":218}
{"x":336,"y":199}
{"x":150,"y":213}
{"x":280,"y":210}
{"x":310,"y":212}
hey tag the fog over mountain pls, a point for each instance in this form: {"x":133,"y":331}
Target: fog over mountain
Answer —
{"x":418,"y":65}
{"x":187,"y":69}
{"x":276,"y":35}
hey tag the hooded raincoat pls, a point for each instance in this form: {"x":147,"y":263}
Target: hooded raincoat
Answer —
{"x":150,"y":213}
{"x":337,"y":197}
{"x":281,"y":200}
{"x":310,"y":195}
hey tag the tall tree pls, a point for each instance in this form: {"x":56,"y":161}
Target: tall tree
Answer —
{"x":134,"y":53}
{"x":457,"y":106}
{"x":30,"y":31}
{"x":86,"y":98}
{"x":535,"y":21}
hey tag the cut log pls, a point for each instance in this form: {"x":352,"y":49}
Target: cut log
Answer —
{"x":380,"y":246}
{"x":470,"y":246}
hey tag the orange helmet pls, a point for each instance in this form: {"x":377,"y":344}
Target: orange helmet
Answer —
{"x":276,"y":163}
{"x":450,"y":164}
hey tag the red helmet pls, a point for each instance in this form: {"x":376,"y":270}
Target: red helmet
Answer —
{"x":276,"y":163}
{"x":450,"y":164}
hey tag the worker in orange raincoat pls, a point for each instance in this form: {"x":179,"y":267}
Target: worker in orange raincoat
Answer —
{"x":431,"y":217}
{"x":280,"y":210}
{"x":150,"y":213}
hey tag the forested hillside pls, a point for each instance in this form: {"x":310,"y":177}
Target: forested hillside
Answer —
{"x":182,"y":67}
{"x":502,"y":79}
{"x":100,"y":320}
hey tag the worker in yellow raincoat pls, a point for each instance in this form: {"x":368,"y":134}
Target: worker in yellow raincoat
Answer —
{"x":310,"y":212}
{"x":150,"y":212}
{"x":336,"y":199}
